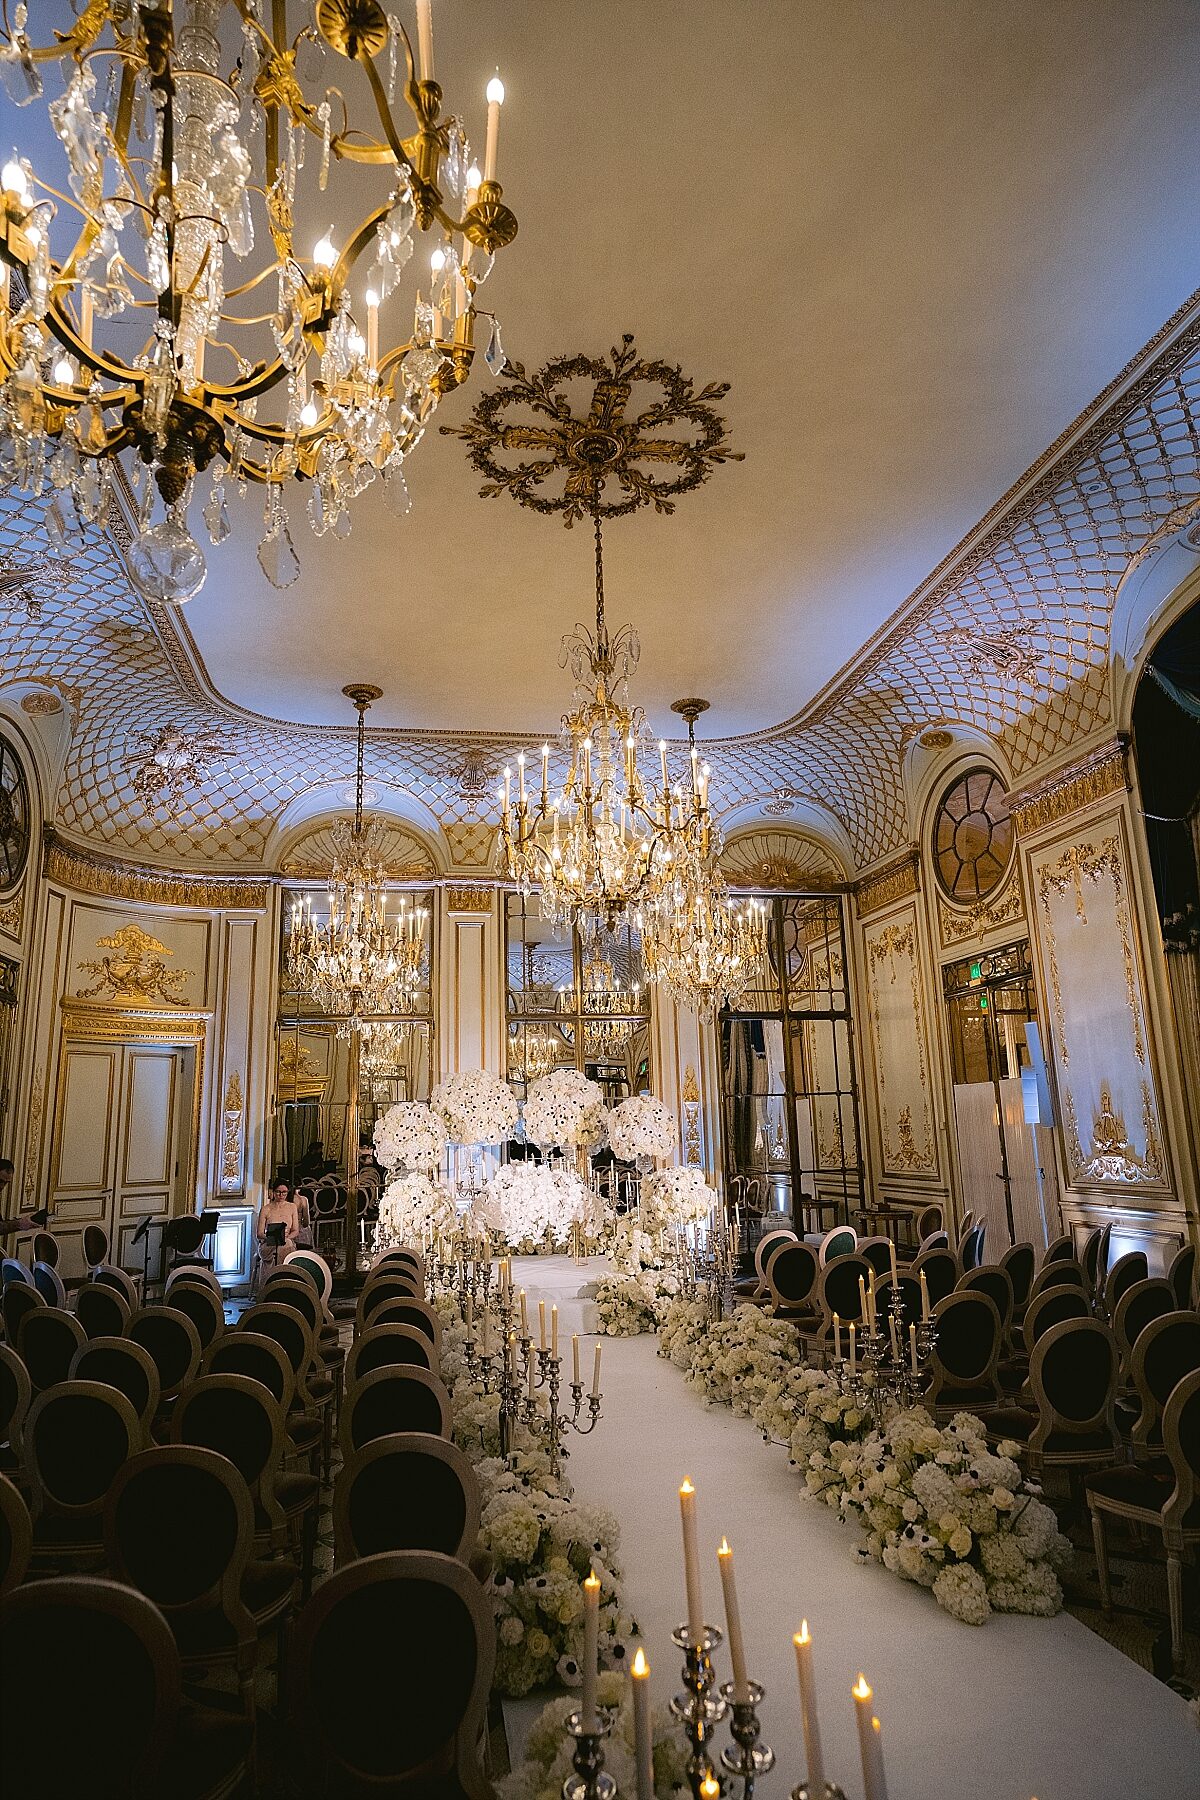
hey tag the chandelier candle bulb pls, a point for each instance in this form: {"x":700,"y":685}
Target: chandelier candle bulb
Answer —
{"x":733,"y":1625}
{"x":643,"y":1742}
{"x":495,"y":100}
{"x":372,"y":328}
{"x":521,"y":778}
{"x":591,"y":1649}
{"x":545,"y":777}
{"x":425,"y":39}
{"x":691,"y":1562}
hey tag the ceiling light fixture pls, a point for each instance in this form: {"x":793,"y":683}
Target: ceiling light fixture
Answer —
{"x":184,"y":154}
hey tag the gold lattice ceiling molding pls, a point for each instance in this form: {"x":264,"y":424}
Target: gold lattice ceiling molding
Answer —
{"x":1034,"y":584}
{"x":404,"y":856}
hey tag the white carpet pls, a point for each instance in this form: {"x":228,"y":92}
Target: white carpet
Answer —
{"x":1013,"y":1709}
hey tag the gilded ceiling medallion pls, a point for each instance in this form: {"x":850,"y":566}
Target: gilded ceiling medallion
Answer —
{"x":43,"y":706}
{"x":168,"y":762}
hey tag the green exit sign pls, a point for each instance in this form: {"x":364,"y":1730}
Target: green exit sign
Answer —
{"x":976,"y":972}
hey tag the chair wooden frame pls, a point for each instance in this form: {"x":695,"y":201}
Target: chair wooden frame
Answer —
{"x":137,"y":1353}
{"x":307,"y":1261}
{"x":24,"y":1399}
{"x":1032,"y":1329}
{"x":1061,"y":1273}
{"x":1018,"y":1254}
{"x":54,"y":1318}
{"x":198,"y":1275}
{"x":404,"y":1443}
{"x":1134,"y":1297}
{"x":981,"y":1389}
{"x":221,"y":1347}
{"x":780,"y":1304}
{"x":109,"y":1275}
{"x":379,"y":1288}
{"x":1145,"y":1439}
{"x":201,"y":1296}
{"x":397,"y":1565}
{"x":354,"y":1395}
{"x":390,"y":1334}
{"x":1121,"y":1277}
{"x":168,"y":1391}
{"x":46,"y":1276}
{"x":1051,"y":1423}
{"x":1182,"y":1275}
{"x":390,"y":1313}
{"x":1169,"y":1518}
{"x":20,"y":1536}
{"x":827,"y":1242}
{"x":112,"y":1297}
{"x":754,"y":1287}
{"x":978,"y":1281}
{"x":50,"y":1506}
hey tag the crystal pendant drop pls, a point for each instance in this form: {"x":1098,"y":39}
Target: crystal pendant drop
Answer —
{"x":494,"y":355}
{"x":216,"y":514}
{"x":20,"y":74}
{"x":395,"y":491}
{"x":277,"y":556}
{"x":166,"y":563}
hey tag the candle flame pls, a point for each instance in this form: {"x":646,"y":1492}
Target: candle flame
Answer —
{"x":710,"y":1787}
{"x":687,"y":1487}
{"x":593,"y":1581}
{"x":723,"y":1548}
{"x":862,"y":1691}
{"x":875,"y":1726}
{"x":803,"y":1636}
{"x":641,"y":1668}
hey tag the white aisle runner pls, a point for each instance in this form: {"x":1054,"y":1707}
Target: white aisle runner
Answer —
{"x":1005,"y":1711}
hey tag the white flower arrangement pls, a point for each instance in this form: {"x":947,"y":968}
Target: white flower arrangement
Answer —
{"x":641,"y":1126}
{"x":410,"y":1136}
{"x":475,"y":1107}
{"x":675,"y":1197}
{"x":527,"y":1203}
{"x":564,"y":1108}
{"x":935,"y":1506}
{"x":412,"y":1207}
{"x":548,"y":1748}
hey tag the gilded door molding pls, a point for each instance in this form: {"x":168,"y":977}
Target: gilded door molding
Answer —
{"x":898,"y":1026}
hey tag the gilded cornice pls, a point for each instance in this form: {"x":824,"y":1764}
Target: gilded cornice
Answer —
{"x":88,"y":872}
{"x":1101,"y":772}
{"x":470,"y":899}
{"x":892,"y":882}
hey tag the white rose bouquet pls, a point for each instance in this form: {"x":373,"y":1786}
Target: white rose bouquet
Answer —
{"x":641,"y":1126}
{"x":529,"y":1202}
{"x":411,"y":1207}
{"x":475,"y":1107}
{"x":410,"y":1136}
{"x":563,"y":1108}
{"x":674,"y":1197}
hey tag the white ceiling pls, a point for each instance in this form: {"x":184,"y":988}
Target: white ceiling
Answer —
{"x":917,"y":239}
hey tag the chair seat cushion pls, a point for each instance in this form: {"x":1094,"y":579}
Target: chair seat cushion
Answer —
{"x":746,"y":1285}
{"x":206,"y":1748}
{"x":305,"y":1433}
{"x":296,"y":1492}
{"x":1148,"y":1487}
{"x":320,"y":1388}
{"x":267,"y":1588}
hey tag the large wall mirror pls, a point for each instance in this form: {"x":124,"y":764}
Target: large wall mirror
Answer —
{"x":571,"y":1003}
{"x":314,"y":1077}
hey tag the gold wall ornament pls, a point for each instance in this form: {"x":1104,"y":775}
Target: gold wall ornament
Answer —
{"x":908,"y":1156}
{"x":580,"y":451}
{"x":777,"y":859}
{"x":88,"y":871}
{"x":938,"y":739}
{"x":957,"y":926}
{"x":12,"y":916}
{"x":1101,"y":772}
{"x":474,"y":899}
{"x":33,"y":1130}
{"x":41,"y":705}
{"x":1008,"y":650}
{"x":403,"y":856}
{"x":892,"y":882}
{"x":1113,"y":1158}
{"x":477,"y":777}
{"x":693,"y":1150}
{"x":134,"y":970}
{"x":896,"y":945}
{"x":232,"y":1116}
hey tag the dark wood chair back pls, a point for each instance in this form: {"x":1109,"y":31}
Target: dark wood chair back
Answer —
{"x":95,"y":1246}
{"x":1124,"y":1273}
{"x":1020,"y":1260}
{"x":417,"y":1313}
{"x":205,"y":1309}
{"x":16,"y":1396}
{"x":19,"y":1299}
{"x":1051,"y":1307}
{"x":101,"y":1310}
{"x":16,"y":1538}
{"x":1166,"y":1351}
{"x":47,"y":1339}
{"x":409,"y":1491}
{"x":389,"y":1347}
{"x":254,"y":1354}
{"x":46,"y":1249}
{"x":941,"y":1271}
{"x":793,"y":1274}
{"x":1182,"y":1276}
{"x":994,"y":1281}
{"x":966,"y":1350}
{"x":129,"y":1368}
{"x":1072,"y":1374}
{"x":1138,"y":1305}
{"x":391,"y":1400}
{"x":173,"y":1342}
{"x":78,"y":1435}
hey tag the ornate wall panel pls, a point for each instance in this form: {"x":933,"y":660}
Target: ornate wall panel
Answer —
{"x":899,"y":1037}
{"x":1087,"y":937}
{"x":1002,"y":912}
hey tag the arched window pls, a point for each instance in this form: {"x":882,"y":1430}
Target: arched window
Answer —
{"x":972,"y":837}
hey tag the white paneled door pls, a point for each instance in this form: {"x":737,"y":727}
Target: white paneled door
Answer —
{"x":122,"y":1146}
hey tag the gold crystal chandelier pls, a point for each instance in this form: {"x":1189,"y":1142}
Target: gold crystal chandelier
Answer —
{"x":357,"y":964}
{"x":611,"y":1014}
{"x":602,"y":844}
{"x":698,"y":944}
{"x":183,"y":152}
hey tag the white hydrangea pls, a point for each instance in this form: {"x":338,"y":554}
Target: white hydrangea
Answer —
{"x":641,"y":1126}
{"x":412,"y":1207}
{"x":475,"y":1107}
{"x":529,"y":1202}
{"x":675,"y":1197}
{"x":410,"y":1136}
{"x":564,"y":1108}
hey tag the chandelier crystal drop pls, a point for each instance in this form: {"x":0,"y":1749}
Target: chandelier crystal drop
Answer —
{"x":357,"y":965}
{"x":161,"y":302}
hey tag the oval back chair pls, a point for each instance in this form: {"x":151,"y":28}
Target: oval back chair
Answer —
{"x":399,"y":1253}
{"x":46,"y":1249}
{"x":408,"y":1491}
{"x":1059,"y":1249}
{"x":315,"y":1268}
{"x":16,"y":1395}
{"x":793,"y":1274}
{"x":1094,"y":1256}
{"x":1057,"y":1274}
{"x":1138,"y":1305}
{"x":930,"y":1219}
{"x":970,"y":1248}
{"x":77,"y":1437}
{"x":95,"y":1246}
{"x":101,"y":1310}
{"x":910,"y":1302}
{"x":126,"y":1366}
{"x":193,"y":1275}
{"x":19,"y":1298}
{"x":1051,"y":1307}
{"x":1124,"y":1273}
{"x":934,"y":1240}
{"x":48,"y":1282}
{"x":841,"y":1241}
{"x":110,"y":1276}
{"x":16,"y":1538}
{"x":373,"y":1704}
{"x":1072,"y":1375}
{"x":282,"y":1289}
{"x":1166,"y":1351}
{"x":257,"y":1356}
{"x":838,"y":1291}
{"x":173,"y":1342}
{"x":1182,"y":1276}
{"x":754,"y":1286}
{"x":205,"y":1309}
{"x":13,"y":1272}
{"x":878,"y":1252}
{"x":995,"y":1281}
{"x":47,"y":1339}
{"x":941,"y":1271}
{"x":418,"y":1313}
{"x":391,"y":1400}
{"x":1020,"y":1260}
{"x":381,"y":1288}
{"x":966,"y":1351}
{"x":389,"y":1347}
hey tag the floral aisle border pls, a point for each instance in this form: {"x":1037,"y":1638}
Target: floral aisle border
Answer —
{"x":541,"y":1540}
{"x":934,"y":1504}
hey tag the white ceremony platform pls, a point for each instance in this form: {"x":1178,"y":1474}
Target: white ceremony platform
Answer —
{"x":1010,"y":1710}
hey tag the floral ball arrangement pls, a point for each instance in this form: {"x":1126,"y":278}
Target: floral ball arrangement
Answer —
{"x":410,"y":1136}
{"x":564,"y":1108}
{"x":641,"y":1127}
{"x":638,"y":1296}
{"x":674,"y":1197}
{"x":475,"y":1107}
{"x":527,"y":1203}
{"x":413,"y":1207}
